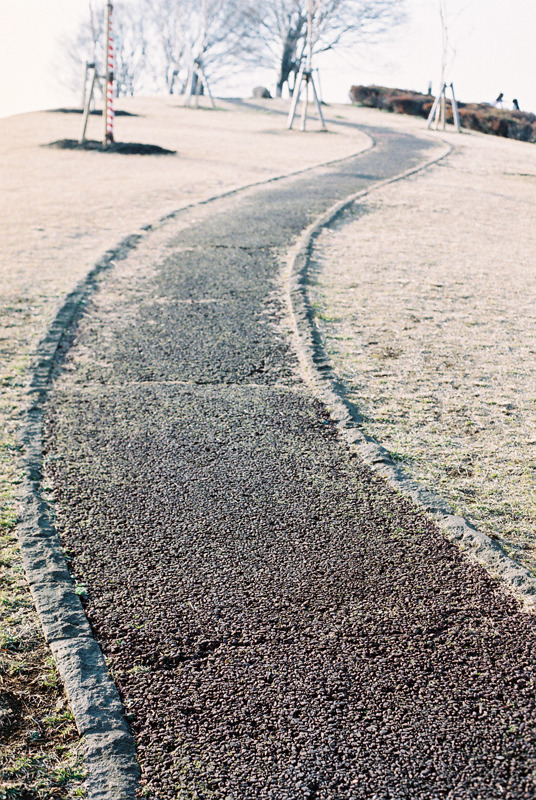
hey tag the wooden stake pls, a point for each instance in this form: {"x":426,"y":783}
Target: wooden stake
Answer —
{"x":438,"y":115}
{"x":189,"y":85}
{"x":443,"y":108}
{"x":318,"y":103}
{"x":295,"y":97}
{"x":433,"y":110}
{"x":87,"y":106}
{"x":319,"y":93}
{"x":84,"y":86}
{"x":455,"y":110}
{"x":201,"y":72}
{"x":306,"y":74}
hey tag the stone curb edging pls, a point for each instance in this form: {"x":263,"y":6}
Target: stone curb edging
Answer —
{"x":110,"y":758}
{"x":321,"y":377}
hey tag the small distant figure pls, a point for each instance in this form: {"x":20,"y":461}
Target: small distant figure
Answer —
{"x":499,"y":101}
{"x":515,"y":105}
{"x":430,"y":89}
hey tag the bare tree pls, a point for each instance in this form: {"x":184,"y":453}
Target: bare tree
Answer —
{"x":84,"y":46}
{"x":134,"y":70}
{"x":167,"y":57}
{"x":276,"y":30}
{"x":132,"y":37}
{"x":183,"y":32}
{"x":155,"y":39}
{"x":210,"y":34}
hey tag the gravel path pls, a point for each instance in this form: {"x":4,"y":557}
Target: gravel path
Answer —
{"x":63,"y":213}
{"x":279,"y":622}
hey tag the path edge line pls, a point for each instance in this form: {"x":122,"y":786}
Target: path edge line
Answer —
{"x":323,"y":381}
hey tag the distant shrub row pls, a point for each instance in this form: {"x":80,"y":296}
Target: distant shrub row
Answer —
{"x":476,"y":116}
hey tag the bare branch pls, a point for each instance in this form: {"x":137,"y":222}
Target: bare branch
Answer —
{"x":276,"y":30}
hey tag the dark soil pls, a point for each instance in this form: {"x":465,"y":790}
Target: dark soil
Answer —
{"x":97,"y":112}
{"x":124,"y":148}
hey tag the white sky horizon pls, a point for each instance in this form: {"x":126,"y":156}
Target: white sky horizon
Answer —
{"x":492,"y":45}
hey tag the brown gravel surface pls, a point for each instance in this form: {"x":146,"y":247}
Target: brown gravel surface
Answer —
{"x":426,"y":297}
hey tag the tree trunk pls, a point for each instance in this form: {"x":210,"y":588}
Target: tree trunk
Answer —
{"x":288,"y":56}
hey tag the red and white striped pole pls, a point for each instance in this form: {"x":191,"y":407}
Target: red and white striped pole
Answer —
{"x":108,"y":102}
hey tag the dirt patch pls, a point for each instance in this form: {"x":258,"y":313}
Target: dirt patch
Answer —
{"x":96,"y":112}
{"x":125,"y":148}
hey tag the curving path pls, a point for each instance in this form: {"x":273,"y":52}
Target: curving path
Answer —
{"x":279,"y":622}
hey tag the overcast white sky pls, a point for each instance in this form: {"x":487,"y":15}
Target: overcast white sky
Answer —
{"x":494,"y":42}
